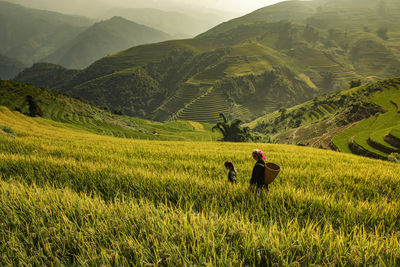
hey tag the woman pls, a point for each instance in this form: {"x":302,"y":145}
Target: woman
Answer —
{"x":258,"y":175}
{"x":232,"y":172}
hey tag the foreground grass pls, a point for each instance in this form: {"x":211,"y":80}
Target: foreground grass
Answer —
{"x":72,"y":197}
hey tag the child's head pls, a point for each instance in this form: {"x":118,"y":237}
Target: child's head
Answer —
{"x":229,"y":165}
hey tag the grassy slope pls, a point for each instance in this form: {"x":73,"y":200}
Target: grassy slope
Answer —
{"x":317,"y":112}
{"x":375,"y":127}
{"x":80,"y":115}
{"x":72,"y":197}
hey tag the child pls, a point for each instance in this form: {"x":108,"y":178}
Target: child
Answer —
{"x":232,"y":172}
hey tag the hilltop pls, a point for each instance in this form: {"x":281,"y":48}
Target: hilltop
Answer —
{"x":106,"y":37}
{"x":82,"y":116}
{"x":177,"y":24}
{"x":362,"y":120}
{"x":249,"y":66}
{"x":28,"y":35}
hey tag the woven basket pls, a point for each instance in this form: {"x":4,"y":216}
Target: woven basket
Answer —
{"x":271,"y":172}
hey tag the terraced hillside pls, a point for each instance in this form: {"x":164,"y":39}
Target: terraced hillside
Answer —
{"x":362,"y":120}
{"x":281,"y":55}
{"x":370,"y":136}
{"x":205,"y":108}
{"x":85,"y":117}
{"x":70,"y":197}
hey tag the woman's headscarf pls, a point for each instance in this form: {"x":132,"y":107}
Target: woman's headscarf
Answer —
{"x":260,"y":154}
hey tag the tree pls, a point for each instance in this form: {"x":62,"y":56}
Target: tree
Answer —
{"x":232,"y":131}
{"x":382,"y":33}
{"x":34,"y":109}
{"x":355,"y":83}
{"x":328,"y":79}
{"x":394,"y":157}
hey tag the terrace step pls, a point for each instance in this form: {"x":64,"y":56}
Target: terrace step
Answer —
{"x":381,"y":147}
{"x":360,"y":150}
{"x":392,"y":140}
{"x":205,"y":108}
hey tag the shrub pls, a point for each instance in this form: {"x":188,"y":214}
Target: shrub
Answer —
{"x":7,"y":129}
{"x":382,"y":33}
{"x":394,"y":157}
{"x":34,"y":109}
{"x":355,"y":83}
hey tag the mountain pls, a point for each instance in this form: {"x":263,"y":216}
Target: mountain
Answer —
{"x":252,"y":65}
{"x":46,"y":75}
{"x":104,"y":38}
{"x":9,"y":67}
{"x":364,"y":120}
{"x":178,"y":24}
{"x":79,"y":7}
{"x":78,"y":115}
{"x":29,"y":35}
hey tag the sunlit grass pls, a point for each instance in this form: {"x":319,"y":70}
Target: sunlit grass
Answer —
{"x":73,"y":197}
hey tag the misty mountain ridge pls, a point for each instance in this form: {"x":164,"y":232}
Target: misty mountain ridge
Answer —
{"x":28,"y":35}
{"x":31,"y":35}
{"x":9,"y":67}
{"x":175,"y":23}
{"x":248,"y":66}
{"x":103,"y":38}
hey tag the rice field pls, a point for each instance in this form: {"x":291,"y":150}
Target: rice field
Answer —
{"x":71,"y":197}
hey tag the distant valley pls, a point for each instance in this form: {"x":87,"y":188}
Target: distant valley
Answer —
{"x":30,"y":35}
{"x":278,"y":56}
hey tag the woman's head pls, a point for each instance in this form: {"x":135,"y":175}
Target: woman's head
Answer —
{"x":258,"y":154}
{"x":229,"y":165}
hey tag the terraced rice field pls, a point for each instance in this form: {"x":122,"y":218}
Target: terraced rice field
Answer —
{"x":70,"y":197}
{"x":370,"y":135}
{"x":205,"y":108}
{"x":82,"y":116}
{"x":181,"y":98}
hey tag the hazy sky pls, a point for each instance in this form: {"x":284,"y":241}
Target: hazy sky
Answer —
{"x":236,"y":6}
{"x":91,"y":7}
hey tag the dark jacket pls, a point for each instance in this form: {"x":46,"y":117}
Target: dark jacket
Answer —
{"x":258,"y":175}
{"x":232,"y":176}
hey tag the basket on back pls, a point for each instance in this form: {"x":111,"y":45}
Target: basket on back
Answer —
{"x":271,"y":172}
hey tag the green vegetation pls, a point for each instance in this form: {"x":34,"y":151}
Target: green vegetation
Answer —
{"x":82,"y":116}
{"x":255,"y":64}
{"x":7,"y":130}
{"x":232,"y":131}
{"x":394,"y":157}
{"x":382,"y":33}
{"x":354,"y":84}
{"x":370,"y":134}
{"x":69,"y":197}
{"x":357,"y":120}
